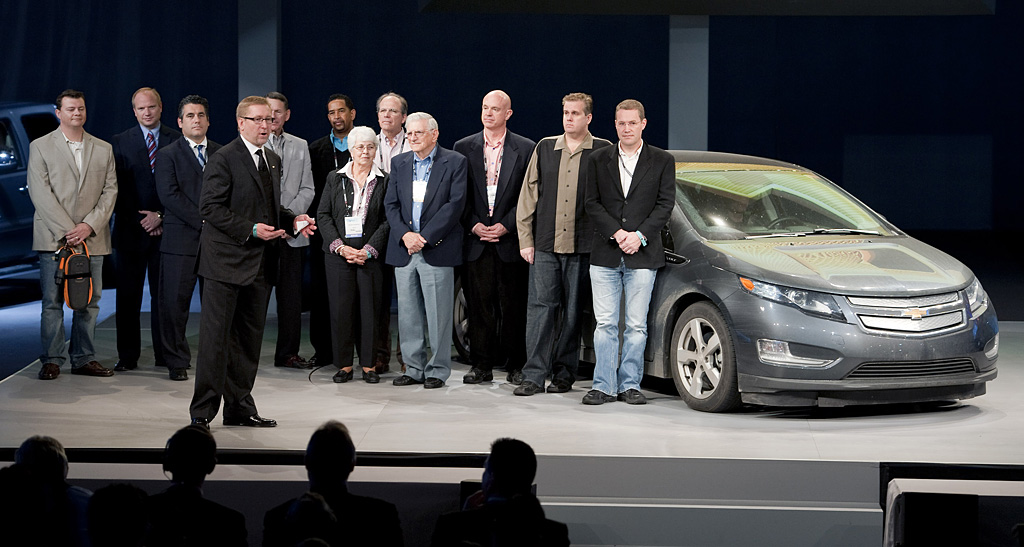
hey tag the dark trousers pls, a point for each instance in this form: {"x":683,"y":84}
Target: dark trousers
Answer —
{"x":319,"y":312}
{"x":496,"y":311}
{"x":382,"y":334}
{"x":177,"y":282}
{"x":552,"y":317}
{"x":230,"y":338}
{"x":354,"y":294}
{"x":289,"y":302}
{"x":131,"y":268}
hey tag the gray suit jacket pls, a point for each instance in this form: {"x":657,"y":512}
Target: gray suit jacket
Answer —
{"x":296,"y":178}
{"x":53,"y":185}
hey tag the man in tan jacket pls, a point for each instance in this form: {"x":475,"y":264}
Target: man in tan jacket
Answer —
{"x":73,"y":185}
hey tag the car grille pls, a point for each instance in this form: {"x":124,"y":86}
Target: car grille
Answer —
{"x":913,"y":369}
{"x":915,"y":315}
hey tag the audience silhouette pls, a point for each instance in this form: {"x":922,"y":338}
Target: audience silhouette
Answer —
{"x":117,"y":516}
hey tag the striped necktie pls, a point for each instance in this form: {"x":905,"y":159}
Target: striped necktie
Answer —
{"x":151,"y":146}
{"x":202,"y":158}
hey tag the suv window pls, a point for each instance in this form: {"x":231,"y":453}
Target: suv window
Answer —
{"x":8,"y":149}
{"x":37,"y":125}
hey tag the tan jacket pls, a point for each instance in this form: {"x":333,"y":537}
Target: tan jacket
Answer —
{"x":53,"y":184}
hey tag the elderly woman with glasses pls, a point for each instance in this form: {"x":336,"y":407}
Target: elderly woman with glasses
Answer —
{"x":355,"y":231}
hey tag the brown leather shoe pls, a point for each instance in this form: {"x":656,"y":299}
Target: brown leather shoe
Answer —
{"x":381,"y":366}
{"x":49,"y":371}
{"x":92,"y":368}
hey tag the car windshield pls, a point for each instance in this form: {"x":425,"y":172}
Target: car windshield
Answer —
{"x":740,"y":201}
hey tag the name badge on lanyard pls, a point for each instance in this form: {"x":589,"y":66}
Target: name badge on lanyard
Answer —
{"x":354,"y":226}
{"x":492,"y":194}
{"x":419,"y":190}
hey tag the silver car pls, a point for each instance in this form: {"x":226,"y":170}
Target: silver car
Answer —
{"x":783,"y":289}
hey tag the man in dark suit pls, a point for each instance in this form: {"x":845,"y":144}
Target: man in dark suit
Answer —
{"x":326,"y":154}
{"x":505,"y":512}
{"x":630,"y":190}
{"x":240,"y":208}
{"x":138,"y":219}
{"x":426,"y":195}
{"x":330,"y":459}
{"x":191,"y":455}
{"x":179,"y":180}
{"x":495,"y":276}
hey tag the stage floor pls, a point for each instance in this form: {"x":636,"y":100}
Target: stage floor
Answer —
{"x":142,"y":408}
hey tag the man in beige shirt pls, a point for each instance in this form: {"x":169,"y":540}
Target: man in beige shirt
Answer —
{"x":555,"y":238}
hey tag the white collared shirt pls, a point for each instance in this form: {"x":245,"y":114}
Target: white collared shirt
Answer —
{"x":386,"y":151}
{"x":627,"y":166}
{"x":252,"y":153}
{"x":206,"y":148}
{"x":359,"y":196}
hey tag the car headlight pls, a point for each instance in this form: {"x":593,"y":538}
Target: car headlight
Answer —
{"x":810,"y":302}
{"x":977,"y":298}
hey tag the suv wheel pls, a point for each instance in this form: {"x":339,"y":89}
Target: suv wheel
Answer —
{"x":703,"y":360}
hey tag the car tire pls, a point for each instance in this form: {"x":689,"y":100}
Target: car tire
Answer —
{"x":460,"y":322}
{"x":703,"y":360}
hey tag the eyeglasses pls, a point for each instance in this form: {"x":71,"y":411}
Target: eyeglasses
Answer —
{"x":630,"y":124}
{"x":361,"y":147}
{"x":258,"y":121}
{"x":418,"y":134}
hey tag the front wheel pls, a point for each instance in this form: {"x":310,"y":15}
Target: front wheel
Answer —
{"x":703,"y":360}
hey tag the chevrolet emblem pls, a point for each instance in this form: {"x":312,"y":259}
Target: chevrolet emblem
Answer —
{"x":915,"y":314}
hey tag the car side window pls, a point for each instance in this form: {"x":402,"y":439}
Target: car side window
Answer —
{"x":9,"y":156}
{"x":37,"y":125}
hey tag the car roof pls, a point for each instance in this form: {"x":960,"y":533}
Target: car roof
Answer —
{"x":701,"y":160}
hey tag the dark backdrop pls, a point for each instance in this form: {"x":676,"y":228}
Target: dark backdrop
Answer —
{"x":445,"y":63}
{"x":108,"y":49}
{"x":920,"y":117}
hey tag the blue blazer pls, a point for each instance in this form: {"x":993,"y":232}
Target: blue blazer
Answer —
{"x":442,"y":209}
{"x":136,"y":186}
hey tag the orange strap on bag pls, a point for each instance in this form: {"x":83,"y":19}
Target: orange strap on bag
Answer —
{"x":74,"y":274}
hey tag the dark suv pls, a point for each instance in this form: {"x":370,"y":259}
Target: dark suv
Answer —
{"x":20,"y":124}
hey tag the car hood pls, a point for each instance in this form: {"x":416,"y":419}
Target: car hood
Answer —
{"x":843,"y":265}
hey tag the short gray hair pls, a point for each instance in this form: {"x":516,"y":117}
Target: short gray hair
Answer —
{"x":417,"y":116}
{"x":362,"y":134}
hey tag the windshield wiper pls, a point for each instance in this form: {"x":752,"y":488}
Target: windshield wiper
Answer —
{"x":816,"y":231}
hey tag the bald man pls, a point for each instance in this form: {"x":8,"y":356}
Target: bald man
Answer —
{"x":495,"y":277}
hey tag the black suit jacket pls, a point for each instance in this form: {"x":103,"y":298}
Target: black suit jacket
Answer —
{"x":442,"y":209}
{"x":515,"y":523}
{"x":379,"y":526}
{"x":323,"y":159}
{"x":645,"y":209}
{"x":515,"y":156}
{"x":136,"y":186}
{"x":330,"y":219}
{"x":231,"y":202}
{"x":179,"y":181}
{"x":182,"y":517}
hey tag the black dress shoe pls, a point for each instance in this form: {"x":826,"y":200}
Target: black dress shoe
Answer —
{"x":122,"y":366}
{"x":178,"y":374}
{"x":92,"y":368}
{"x":559,"y":386}
{"x":477,"y":375}
{"x":317,"y":361}
{"x":528,"y":388}
{"x":633,"y":397}
{"x":293,"y":361}
{"x":252,"y":421}
{"x":49,"y":371}
{"x":595,"y":397}
{"x":371,"y":377}
{"x":201,"y":422}
{"x":433,"y":383}
{"x":405,"y":380}
{"x":515,"y":377}
{"x":342,"y":376}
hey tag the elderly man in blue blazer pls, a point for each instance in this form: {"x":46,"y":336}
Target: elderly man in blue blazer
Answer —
{"x":424,"y":204}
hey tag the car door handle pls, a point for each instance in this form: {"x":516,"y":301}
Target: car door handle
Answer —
{"x":23,"y":189}
{"x":673,"y":258}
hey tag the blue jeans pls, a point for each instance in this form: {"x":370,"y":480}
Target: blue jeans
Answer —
{"x":83,"y":322}
{"x":609,"y":285}
{"x":426,"y":294}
